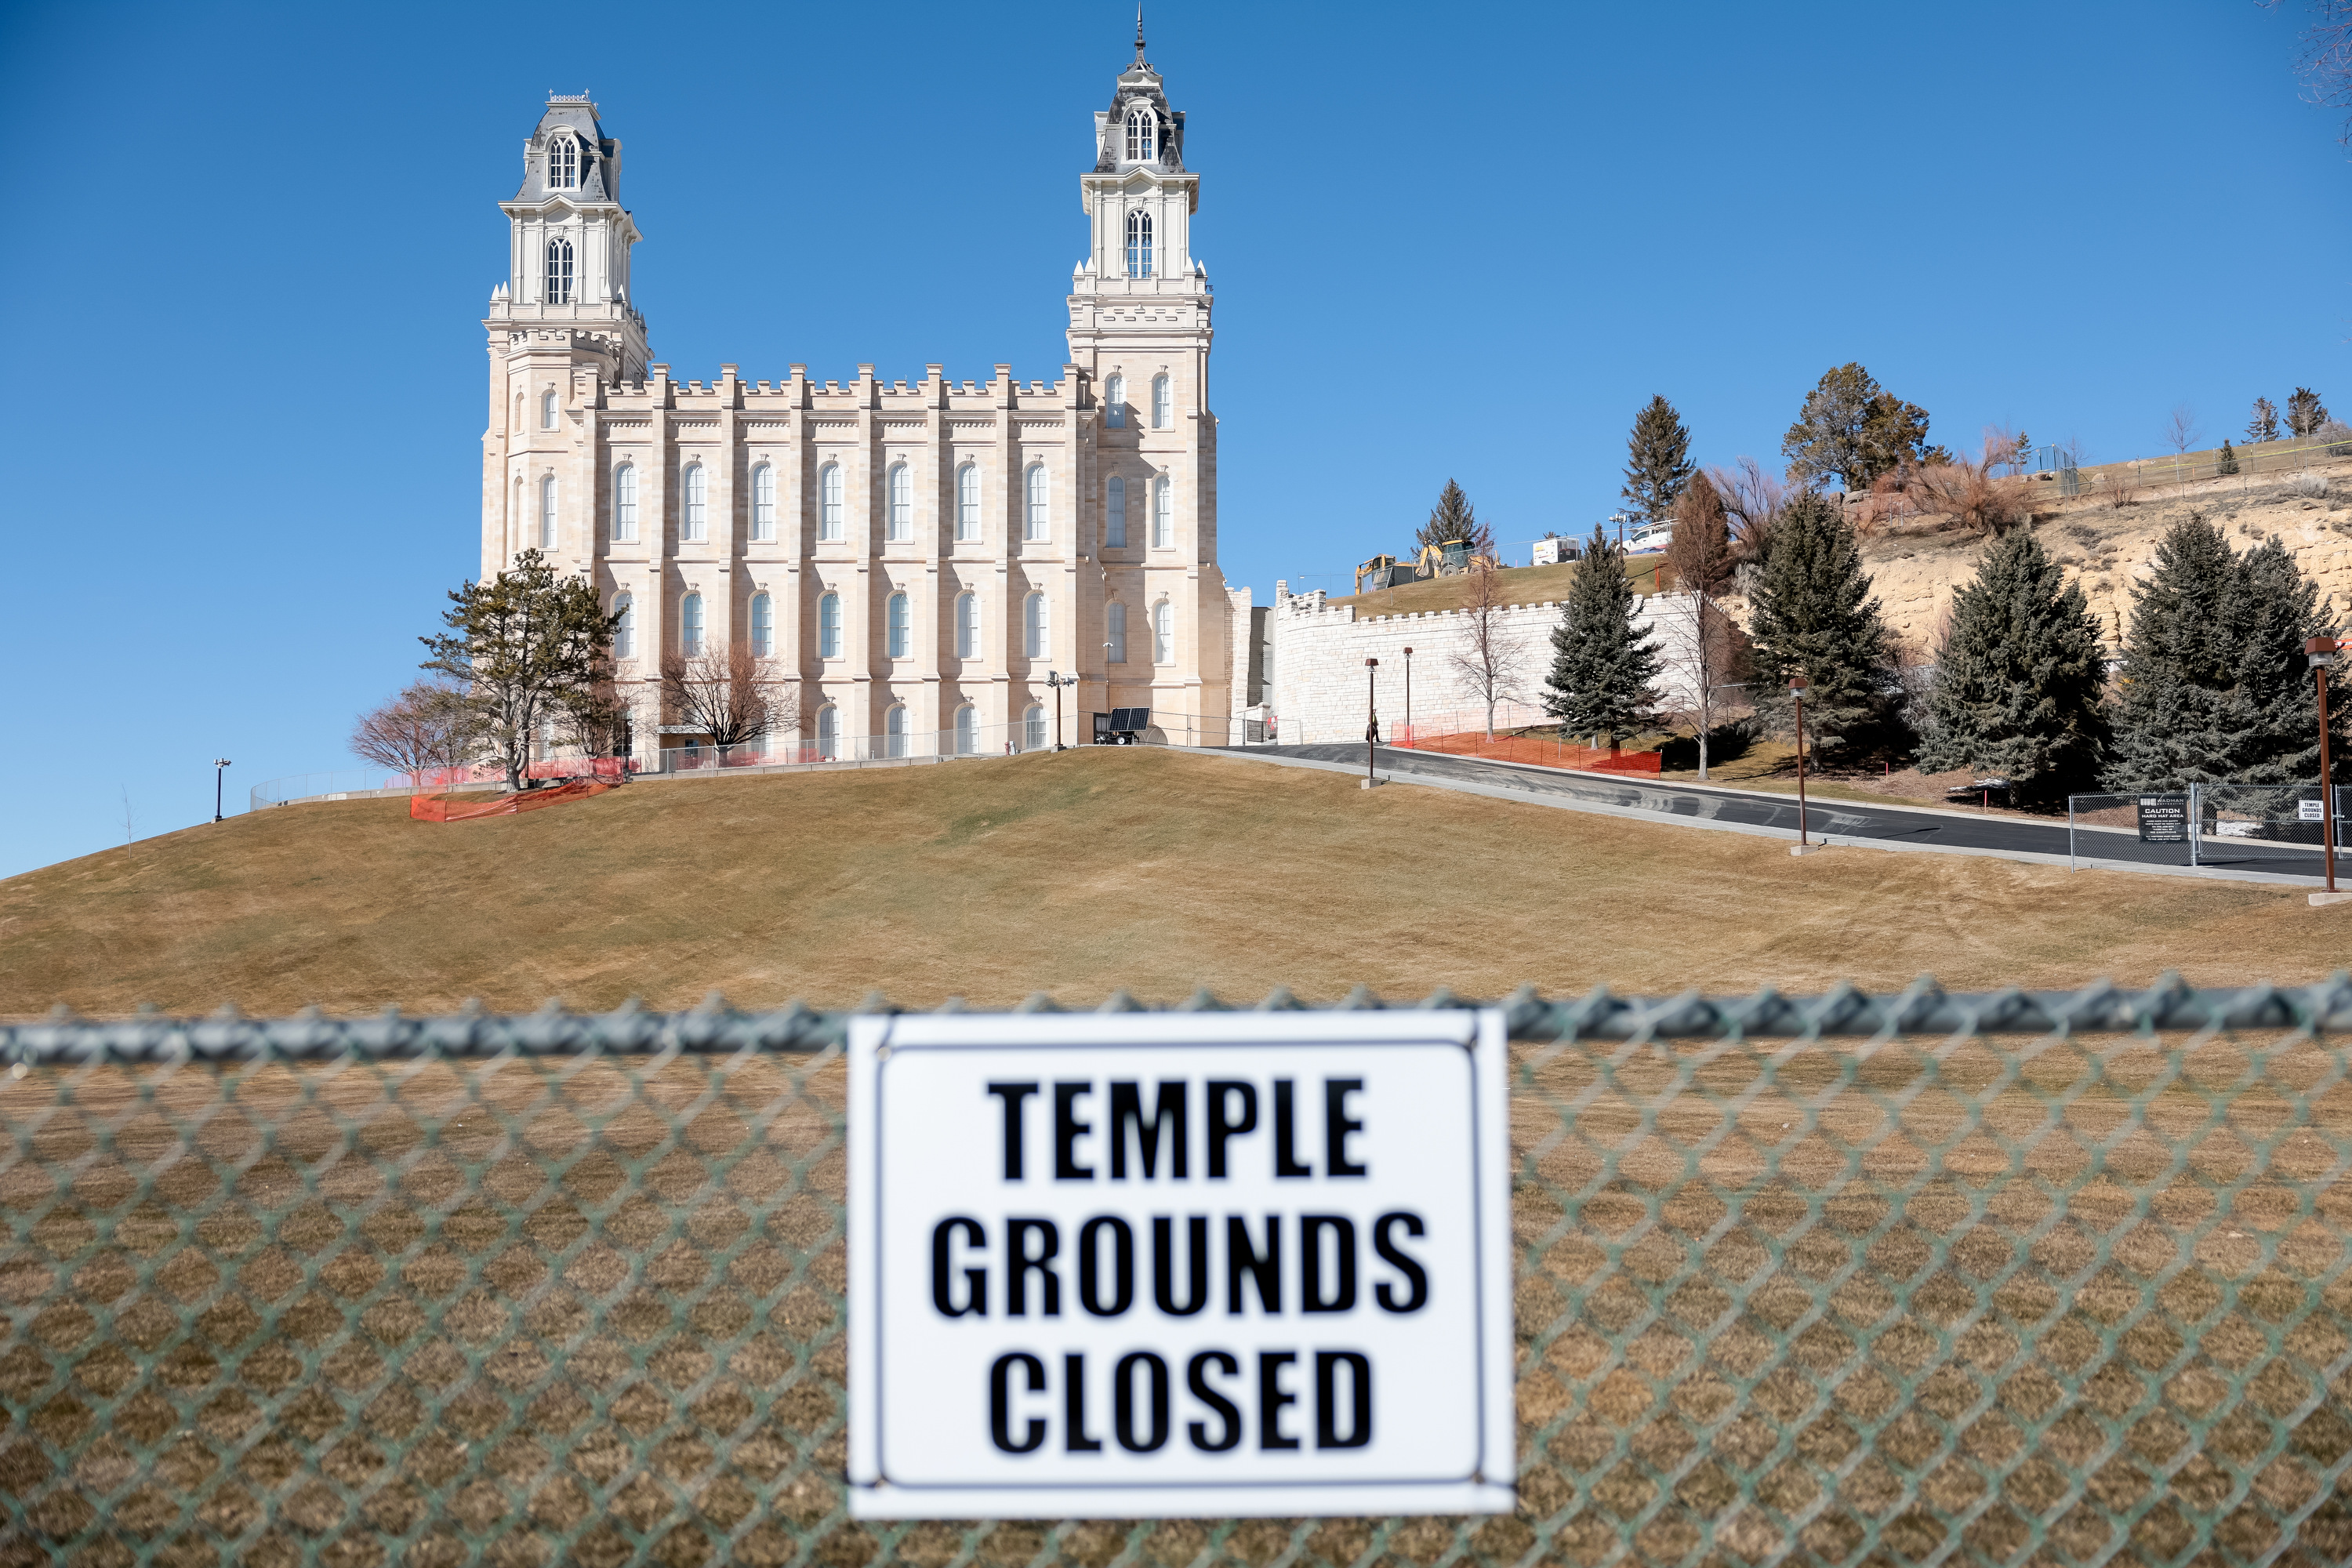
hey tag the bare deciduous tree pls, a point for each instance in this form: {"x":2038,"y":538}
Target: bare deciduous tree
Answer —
{"x":426,"y":731}
{"x":1490,"y":664}
{"x":1752,"y":497}
{"x":1706,"y":642}
{"x":728,"y":694}
{"x":2326,"y":63}
{"x":2180,"y":429}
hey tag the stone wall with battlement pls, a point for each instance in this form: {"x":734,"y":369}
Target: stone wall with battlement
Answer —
{"x":1317,"y":689}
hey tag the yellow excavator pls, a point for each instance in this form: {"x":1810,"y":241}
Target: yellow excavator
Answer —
{"x":1378,"y":569}
{"x":1441,"y":560}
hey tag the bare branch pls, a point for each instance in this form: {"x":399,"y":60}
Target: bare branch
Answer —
{"x":1489,"y":665}
{"x":728,"y":693}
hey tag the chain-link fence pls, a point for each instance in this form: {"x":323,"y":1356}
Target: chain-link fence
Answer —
{"x":1996,"y":1278}
{"x":2278,"y":828}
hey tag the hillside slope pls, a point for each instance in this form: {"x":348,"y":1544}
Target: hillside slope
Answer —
{"x":1076,"y":873}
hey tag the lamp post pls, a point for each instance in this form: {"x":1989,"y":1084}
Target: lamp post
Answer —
{"x":1797,"y":692}
{"x":1408,"y":697}
{"x":220,"y":765}
{"x":2322,"y":653}
{"x":1372,"y":718}
{"x":1057,"y":681}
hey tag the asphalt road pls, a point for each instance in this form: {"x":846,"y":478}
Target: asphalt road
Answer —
{"x":1839,"y":818}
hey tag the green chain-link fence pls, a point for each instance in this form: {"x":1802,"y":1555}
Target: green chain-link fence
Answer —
{"x":2002,"y":1278}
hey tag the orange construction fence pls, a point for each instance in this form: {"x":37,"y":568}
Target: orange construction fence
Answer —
{"x":1542,"y":753}
{"x":466,"y":808}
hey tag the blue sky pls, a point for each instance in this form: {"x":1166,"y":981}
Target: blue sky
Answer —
{"x":249,"y":248}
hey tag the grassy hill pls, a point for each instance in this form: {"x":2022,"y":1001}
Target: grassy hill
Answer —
{"x":1520,"y":586}
{"x":1075,"y":873}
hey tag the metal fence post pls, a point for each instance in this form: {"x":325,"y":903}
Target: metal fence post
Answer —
{"x":2070,"y":833}
{"x":2196,"y":819}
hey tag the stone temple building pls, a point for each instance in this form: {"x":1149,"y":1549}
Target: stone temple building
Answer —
{"x":918,"y":554}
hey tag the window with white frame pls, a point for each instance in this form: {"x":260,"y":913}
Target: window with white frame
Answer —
{"x":1114,"y":402}
{"x":967,"y":624}
{"x":895,"y":620}
{"x":1163,"y":633}
{"x":625,"y":629}
{"x":901,"y":484}
{"x":689,"y":626}
{"x":1163,"y":514}
{"x":967,"y":730}
{"x":763,"y":502}
{"x":1115,"y":515}
{"x":696,"y":485}
{"x":1138,"y":244}
{"x":1033,"y":727}
{"x":562,"y":165}
{"x":1163,"y":403}
{"x":624,"y":503}
{"x":968,"y":502}
{"x":764,"y":627}
{"x":1115,"y":632}
{"x":894,"y":732}
{"x":558,"y":272}
{"x":547,"y":512}
{"x":828,"y":733}
{"x":830,"y":517}
{"x":1037,"y":634}
{"x":1142,"y":135}
{"x":1038,"y":512}
{"x":547,"y":409}
{"x":828,"y":626}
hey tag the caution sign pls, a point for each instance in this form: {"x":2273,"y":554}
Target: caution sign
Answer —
{"x":1138,"y":1265}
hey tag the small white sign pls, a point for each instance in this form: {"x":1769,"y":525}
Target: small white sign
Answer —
{"x":1180,"y":1264}
{"x":2308,"y":811}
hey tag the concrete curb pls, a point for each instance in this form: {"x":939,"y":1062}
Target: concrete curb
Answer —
{"x":1786,"y":834}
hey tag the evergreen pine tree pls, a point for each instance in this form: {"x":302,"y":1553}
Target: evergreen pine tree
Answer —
{"x":1813,"y":615}
{"x":2023,"y":448}
{"x":2305,"y":413}
{"x":2216,"y":687}
{"x":1657,"y":459}
{"x":2229,"y":459}
{"x":2264,"y":425}
{"x":1453,"y":518}
{"x":2020,"y":679}
{"x":1604,"y":672}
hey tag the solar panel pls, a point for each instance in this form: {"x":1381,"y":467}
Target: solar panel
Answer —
{"x":1130,"y":718}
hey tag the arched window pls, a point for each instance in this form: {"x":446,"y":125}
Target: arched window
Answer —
{"x":547,"y":512}
{"x":967,"y":626}
{"x":558,"y":272}
{"x":1037,"y":633}
{"x":1162,"y":410}
{"x":517,"y":424}
{"x":624,"y":502}
{"x":1115,"y":632}
{"x":1142,"y":135}
{"x":1138,"y":244}
{"x":547,"y":409}
{"x":1163,"y":633}
{"x":763,"y":502}
{"x":894,"y":732}
{"x":689,"y":626}
{"x":764,"y":627}
{"x":828,"y":733}
{"x":563,"y":163}
{"x":901,"y":488}
{"x":1115,"y":515}
{"x":894,"y":625}
{"x":697,"y":486}
{"x":625,"y":631}
{"x":1033,"y":727}
{"x":968,"y":502}
{"x":829,"y":517}
{"x":1040,"y":524}
{"x":828,"y":626}
{"x":1114,"y":402}
{"x":1163,"y":515}
{"x":967,"y":732}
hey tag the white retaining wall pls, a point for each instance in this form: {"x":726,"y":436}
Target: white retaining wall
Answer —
{"x":1316,"y":687}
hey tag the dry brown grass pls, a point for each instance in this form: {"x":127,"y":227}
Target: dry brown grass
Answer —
{"x":1077,"y":874}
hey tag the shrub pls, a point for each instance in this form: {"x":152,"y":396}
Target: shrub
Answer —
{"x":2308,"y":484}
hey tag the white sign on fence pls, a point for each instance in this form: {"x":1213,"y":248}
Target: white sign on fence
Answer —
{"x":1180,"y":1264}
{"x":2309,"y":811}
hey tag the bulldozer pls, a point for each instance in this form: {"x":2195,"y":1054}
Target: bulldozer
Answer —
{"x":1382,"y":570}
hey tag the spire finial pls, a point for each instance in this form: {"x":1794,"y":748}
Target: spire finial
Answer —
{"x":1139,"y":32}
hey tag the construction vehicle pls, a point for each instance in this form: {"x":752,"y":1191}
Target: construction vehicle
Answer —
{"x":1382,"y":570}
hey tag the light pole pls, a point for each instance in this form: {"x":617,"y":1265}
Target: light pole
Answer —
{"x":1797,"y":692}
{"x":2322,"y":652}
{"x":1373,"y":720}
{"x":1408,"y":697}
{"x":1057,"y":681}
{"x":220,"y":765}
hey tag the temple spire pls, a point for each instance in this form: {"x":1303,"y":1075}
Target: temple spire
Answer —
{"x":1139,"y":32}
